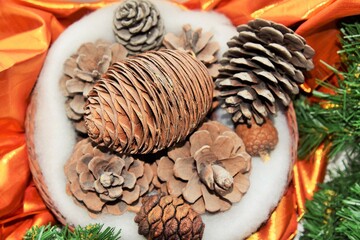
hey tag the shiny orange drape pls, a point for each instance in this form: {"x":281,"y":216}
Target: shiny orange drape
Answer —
{"x":27,"y":29}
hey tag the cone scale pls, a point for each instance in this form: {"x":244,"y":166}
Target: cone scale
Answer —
{"x":149,"y":102}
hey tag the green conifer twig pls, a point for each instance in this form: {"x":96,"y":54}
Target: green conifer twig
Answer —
{"x":337,"y":125}
{"x":90,"y":232}
{"x":334,"y":211}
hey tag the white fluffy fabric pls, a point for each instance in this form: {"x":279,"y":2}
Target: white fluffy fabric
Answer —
{"x":55,"y":137}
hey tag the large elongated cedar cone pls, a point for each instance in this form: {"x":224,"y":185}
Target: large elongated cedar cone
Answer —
{"x":262,"y":69}
{"x":138,"y":26}
{"x":149,"y":102}
{"x":166,"y":217}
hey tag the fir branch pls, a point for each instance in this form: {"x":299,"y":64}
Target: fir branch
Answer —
{"x":350,"y":214}
{"x":90,"y":232}
{"x":335,"y":119}
{"x":47,"y":232}
{"x":334,"y":211}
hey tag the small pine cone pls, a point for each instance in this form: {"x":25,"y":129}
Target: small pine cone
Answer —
{"x":106,"y":182}
{"x":198,"y":44}
{"x":149,"y":102}
{"x":168,"y":218}
{"x":259,"y":140}
{"x":138,"y":26}
{"x":210,"y":171}
{"x":81,"y":71}
{"x":262,"y":69}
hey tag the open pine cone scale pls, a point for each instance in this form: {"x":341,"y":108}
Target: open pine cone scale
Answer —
{"x":205,"y":169}
{"x":262,"y":70}
{"x":198,"y":44}
{"x":138,"y":26}
{"x":104,"y":182}
{"x":81,"y":71}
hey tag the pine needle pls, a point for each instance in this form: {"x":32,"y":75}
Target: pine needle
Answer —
{"x":335,"y":119}
{"x":334,"y":211}
{"x":90,"y":232}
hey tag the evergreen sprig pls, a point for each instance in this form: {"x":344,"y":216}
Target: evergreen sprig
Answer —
{"x":334,"y":211}
{"x":350,"y":214}
{"x":335,"y":119}
{"x":90,"y":232}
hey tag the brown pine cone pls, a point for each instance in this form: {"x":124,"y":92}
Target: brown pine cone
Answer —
{"x":262,"y":70}
{"x":168,"y":218}
{"x":105,"y":182}
{"x":138,"y":26}
{"x":149,"y":102}
{"x":198,"y":44}
{"x":81,"y":71}
{"x":210,"y":171}
{"x":259,"y":140}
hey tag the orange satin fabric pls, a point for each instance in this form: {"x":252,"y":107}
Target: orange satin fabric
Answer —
{"x":28,"y":27}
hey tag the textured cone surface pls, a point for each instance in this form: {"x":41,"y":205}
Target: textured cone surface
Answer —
{"x":103,"y":182}
{"x":210,"y":171}
{"x":81,"y":71}
{"x":262,"y":70}
{"x":259,"y":140}
{"x":138,"y":26}
{"x":197,"y":43}
{"x":166,"y":217}
{"x":149,"y":102}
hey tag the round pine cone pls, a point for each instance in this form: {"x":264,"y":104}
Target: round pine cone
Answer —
{"x":198,"y":44}
{"x":81,"y":71}
{"x":210,"y":171}
{"x":106,"y":182}
{"x":259,"y":140}
{"x":149,"y":102}
{"x":166,"y":218}
{"x":138,"y":26}
{"x":262,"y":69}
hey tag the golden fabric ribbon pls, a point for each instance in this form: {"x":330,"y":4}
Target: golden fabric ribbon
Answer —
{"x":28,"y":27}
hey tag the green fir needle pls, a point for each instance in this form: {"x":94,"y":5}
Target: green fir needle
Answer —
{"x":335,"y":119}
{"x":90,"y":232}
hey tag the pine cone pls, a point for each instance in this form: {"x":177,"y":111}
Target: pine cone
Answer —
{"x":210,"y":171}
{"x":168,"y":218}
{"x":198,"y":44}
{"x":81,"y":71}
{"x":259,"y":140}
{"x":262,"y":69}
{"x":148,"y":102}
{"x":138,"y":26}
{"x":105,"y":182}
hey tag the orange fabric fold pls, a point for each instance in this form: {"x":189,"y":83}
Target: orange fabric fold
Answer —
{"x":282,"y":221}
{"x":307,"y":174}
{"x":14,"y":169}
{"x":28,"y":27}
{"x":33,"y":212}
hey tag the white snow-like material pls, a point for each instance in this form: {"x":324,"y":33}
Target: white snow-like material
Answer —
{"x":55,"y":137}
